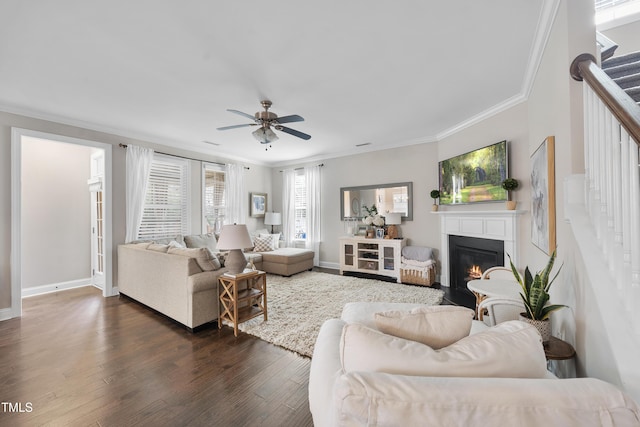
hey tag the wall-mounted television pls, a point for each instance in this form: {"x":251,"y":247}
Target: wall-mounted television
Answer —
{"x":474,"y":177}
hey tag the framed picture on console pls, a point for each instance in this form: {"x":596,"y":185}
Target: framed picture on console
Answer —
{"x":543,"y":196}
{"x":258,"y":203}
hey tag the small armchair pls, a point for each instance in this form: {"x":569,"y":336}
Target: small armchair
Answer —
{"x":496,"y":310}
{"x":497,"y":273}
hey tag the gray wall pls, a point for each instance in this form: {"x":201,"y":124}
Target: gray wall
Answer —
{"x":56,"y":215}
{"x":627,"y":37}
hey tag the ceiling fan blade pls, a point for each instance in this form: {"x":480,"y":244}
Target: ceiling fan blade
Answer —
{"x":294,"y":132}
{"x":236,"y":126}
{"x":290,"y":119}
{"x":242,"y":114}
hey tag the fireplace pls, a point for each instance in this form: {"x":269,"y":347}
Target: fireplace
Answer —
{"x":498,"y":225}
{"x":469,"y":257}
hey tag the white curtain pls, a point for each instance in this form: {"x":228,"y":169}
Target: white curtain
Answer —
{"x":288,"y":207}
{"x":314,"y":186}
{"x":235,"y":195}
{"x":138,"y":164}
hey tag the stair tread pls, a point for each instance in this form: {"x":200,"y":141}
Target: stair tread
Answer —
{"x":630,"y":80}
{"x":623,"y":70}
{"x":622,"y":59}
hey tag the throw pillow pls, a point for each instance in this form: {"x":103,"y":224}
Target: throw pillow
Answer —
{"x":201,"y":241}
{"x":158,"y":247}
{"x":222,"y":256}
{"x":174,"y":244}
{"x":436,"y":326}
{"x":275,"y":240}
{"x":204,"y":258}
{"x":509,"y":350}
{"x":263,"y":244}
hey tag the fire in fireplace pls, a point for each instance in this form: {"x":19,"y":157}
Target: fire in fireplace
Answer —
{"x":469,"y":257}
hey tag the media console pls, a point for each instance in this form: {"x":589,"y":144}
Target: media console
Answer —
{"x":371,"y":256}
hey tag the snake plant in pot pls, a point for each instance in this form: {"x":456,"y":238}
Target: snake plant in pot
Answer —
{"x":535,"y":295}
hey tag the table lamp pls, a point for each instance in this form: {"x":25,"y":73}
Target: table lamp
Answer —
{"x":234,"y":238}
{"x":272,"y":218}
{"x":392,"y":219}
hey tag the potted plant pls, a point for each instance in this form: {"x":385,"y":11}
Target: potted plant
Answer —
{"x":535,"y":295}
{"x":510,"y":184}
{"x":435,"y":195}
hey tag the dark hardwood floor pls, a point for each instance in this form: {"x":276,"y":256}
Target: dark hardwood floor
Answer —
{"x":79,"y":359}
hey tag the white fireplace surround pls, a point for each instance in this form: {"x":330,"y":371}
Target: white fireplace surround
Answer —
{"x":494,"y":225}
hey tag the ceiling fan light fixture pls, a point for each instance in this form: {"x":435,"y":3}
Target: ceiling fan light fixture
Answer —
{"x":265,"y":135}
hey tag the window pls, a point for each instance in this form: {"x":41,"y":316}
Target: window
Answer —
{"x":214,"y":198}
{"x":166,"y":206}
{"x":300,"y":206}
{"x":610,"y":13}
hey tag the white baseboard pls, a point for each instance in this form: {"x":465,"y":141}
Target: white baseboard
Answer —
{"x":6,"y":314}
{"x":332,"y":265}
{"x":55,"y":287}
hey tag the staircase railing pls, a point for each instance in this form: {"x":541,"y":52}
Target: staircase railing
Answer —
{"x":612,"y":173}
{"x":606,"y":45}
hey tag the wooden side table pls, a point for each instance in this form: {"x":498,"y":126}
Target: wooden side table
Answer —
{"x":240,"y":305}
{"x":557,"y":349}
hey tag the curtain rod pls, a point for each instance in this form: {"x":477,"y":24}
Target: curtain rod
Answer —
{"x":299,"y":169}
{"x":183,"y":157}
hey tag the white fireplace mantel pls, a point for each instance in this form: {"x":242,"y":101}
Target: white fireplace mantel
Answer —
{"x":495,"y":225}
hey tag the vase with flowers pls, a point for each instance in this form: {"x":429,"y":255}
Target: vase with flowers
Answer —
{"x":372,"y":219}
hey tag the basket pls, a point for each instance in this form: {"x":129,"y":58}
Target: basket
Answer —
{"x":415,"y":277}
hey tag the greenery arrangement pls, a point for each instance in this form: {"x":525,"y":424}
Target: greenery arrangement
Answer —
{"x":510,"y":184}
{"x":372,"y":211}
{"x":373,"y":217}
{"x":535,"y":290}
{"x":435,"y":195}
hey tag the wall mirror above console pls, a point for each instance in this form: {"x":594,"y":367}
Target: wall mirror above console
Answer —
{"x":396,"y":198}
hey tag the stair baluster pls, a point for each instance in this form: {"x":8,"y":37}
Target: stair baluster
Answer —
{"x":612,"y":171}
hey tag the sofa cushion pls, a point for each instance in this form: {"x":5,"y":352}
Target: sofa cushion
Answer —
{"x":263,"y":243}
{"x":165,"y":241}
{"x":203,"y":256}
{"x":201,"y":241}
{"x":287,"y":255}
{"x":436,"y":326}
{"x":509,"y":350}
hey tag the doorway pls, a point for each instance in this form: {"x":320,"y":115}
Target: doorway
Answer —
{"x":18,"y":233}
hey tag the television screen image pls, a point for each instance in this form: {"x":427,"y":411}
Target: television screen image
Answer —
{"x":475,"y":176}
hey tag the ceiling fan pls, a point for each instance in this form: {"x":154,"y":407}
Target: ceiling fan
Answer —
{"x":266,"y":119}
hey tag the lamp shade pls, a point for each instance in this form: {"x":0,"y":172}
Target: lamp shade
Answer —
{"x":264,"y":135}
{"x":272,"y":218}
{"x":234,"y":236}
{"x":393,"y":218}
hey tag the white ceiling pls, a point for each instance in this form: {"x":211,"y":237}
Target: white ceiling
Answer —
{"x":378,"y":72}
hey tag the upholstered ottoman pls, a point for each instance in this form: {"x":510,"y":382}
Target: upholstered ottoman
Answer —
{"x":287,"y":261}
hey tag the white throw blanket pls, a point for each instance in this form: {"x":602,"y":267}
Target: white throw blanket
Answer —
{"x":419,"y":266}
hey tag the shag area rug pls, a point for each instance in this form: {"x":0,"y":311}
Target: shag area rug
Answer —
{"x":298,"y":305}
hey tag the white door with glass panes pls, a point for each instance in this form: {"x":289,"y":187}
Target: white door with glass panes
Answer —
{"x":97,"y":219}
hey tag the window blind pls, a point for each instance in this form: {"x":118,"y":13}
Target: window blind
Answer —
{"x":604,"y":4}
{"x":300,"y":206}
{"x":166,"y":212}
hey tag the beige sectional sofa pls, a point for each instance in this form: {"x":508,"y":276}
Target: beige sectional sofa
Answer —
{"x":182,"y":283}
{"x":175,"y":285}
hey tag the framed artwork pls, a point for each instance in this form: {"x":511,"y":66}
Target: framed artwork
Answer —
{"x":380,"y":233}
{"x":543,"y":196}
{"x":258,"y":203}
